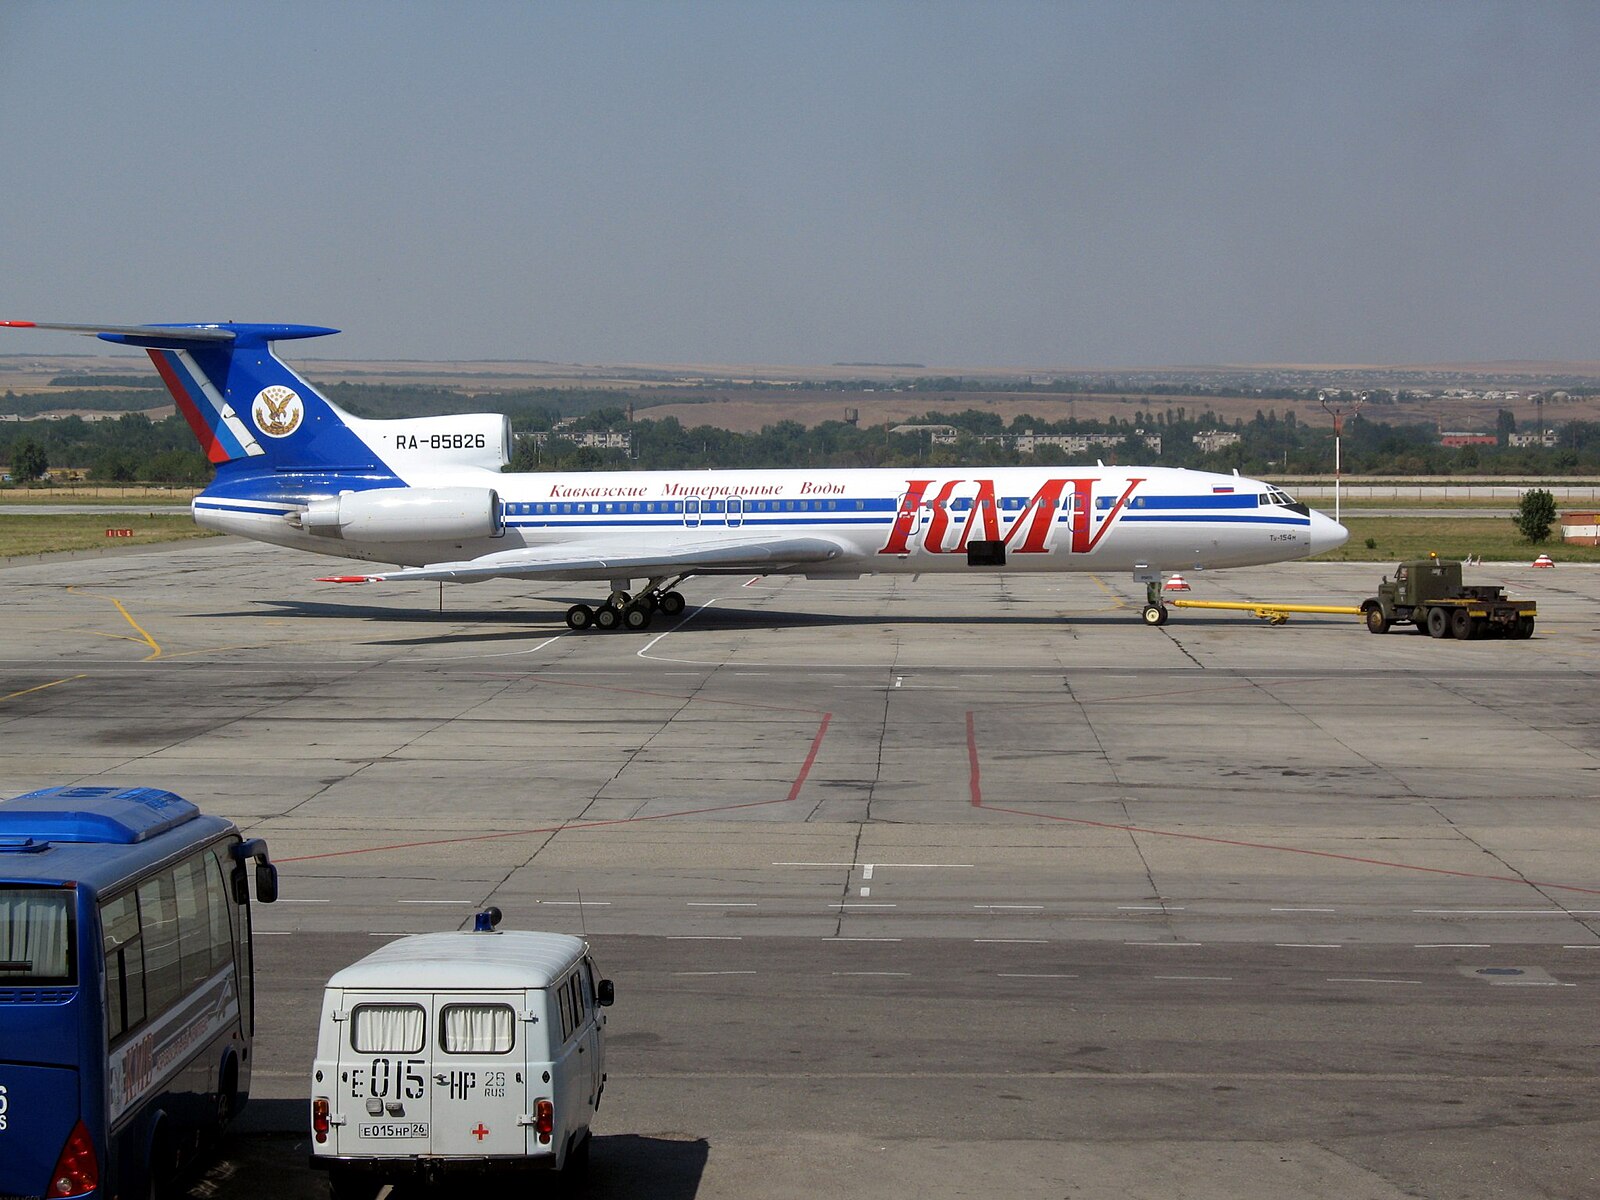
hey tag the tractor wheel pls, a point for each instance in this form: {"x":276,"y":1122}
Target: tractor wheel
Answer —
{"x":1376,"y":621}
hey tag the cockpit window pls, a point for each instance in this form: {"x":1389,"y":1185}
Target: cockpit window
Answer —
{"x":1275,"y":495}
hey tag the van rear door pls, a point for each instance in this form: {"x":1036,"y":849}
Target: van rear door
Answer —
{"x":479,"y":1074}
{"x":383,"y":1085}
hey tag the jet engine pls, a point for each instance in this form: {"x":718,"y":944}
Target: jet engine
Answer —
{"x":444,"y":514}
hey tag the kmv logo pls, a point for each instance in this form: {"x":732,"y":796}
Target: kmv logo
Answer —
{"x":930,"y":521}
{"x":277,"y":411}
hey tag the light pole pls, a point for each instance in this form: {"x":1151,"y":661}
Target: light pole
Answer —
{"x":1337,"y":412}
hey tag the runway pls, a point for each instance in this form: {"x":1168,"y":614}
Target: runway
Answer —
{"x":908,"y":887}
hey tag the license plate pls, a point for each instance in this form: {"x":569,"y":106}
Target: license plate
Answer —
{"x":398,"y":1129}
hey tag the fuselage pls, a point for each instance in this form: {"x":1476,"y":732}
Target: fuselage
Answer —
{"x":887,"y":521}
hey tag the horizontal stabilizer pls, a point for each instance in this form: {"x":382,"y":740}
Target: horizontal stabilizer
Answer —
{"x":176,"y":333}
{"x":597,"y":561}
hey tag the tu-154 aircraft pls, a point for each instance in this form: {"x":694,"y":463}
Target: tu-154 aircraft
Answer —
{"x":429,"y":493}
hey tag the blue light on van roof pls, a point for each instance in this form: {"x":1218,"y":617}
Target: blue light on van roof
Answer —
{"x":119,"y":816}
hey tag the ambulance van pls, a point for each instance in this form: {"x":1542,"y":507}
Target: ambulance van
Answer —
{"x":448,"y":1055}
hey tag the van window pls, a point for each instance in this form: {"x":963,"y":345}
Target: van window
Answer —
{"x":477,"y":1029}
{"x":194,"y":921}
{"x":387,"y":1028}
{"x":119,"y":925}
{"x":569,"y":1018}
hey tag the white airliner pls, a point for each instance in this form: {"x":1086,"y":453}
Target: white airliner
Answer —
{"x":429,"y":493}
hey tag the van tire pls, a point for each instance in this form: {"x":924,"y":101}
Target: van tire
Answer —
{"x":351,"y":1185}
{"x":574,"y":1177}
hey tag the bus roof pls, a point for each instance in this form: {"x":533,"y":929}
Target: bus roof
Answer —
{"x":96,"y":835}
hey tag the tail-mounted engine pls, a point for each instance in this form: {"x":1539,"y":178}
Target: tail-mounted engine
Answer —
{"x":450,"y":514}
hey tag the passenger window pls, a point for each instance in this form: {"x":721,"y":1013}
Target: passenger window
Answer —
{"x":579,"y":1009}
{"x":158,"y":921}
{"x":387,"y":1028}
{"x":194,"y":921}
{"x":119,"y":924}
{"x":477,"y":1029}
{"x":564,"y":1005}
{"x":221,"y":902}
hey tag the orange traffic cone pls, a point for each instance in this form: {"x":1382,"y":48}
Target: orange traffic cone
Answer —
{"x":1176,"y":584}
{"x":1544,"y":560}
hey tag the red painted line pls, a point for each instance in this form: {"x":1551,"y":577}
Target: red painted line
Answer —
{"x":974,"y":783}
{"x":794,"y":791}
{"x":1354,"y":858}
{"x":816,"y":745}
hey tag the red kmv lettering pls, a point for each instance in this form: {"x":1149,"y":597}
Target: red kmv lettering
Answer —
{"x":905,"y":519}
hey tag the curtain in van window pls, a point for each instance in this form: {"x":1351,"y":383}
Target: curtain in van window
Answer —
{"x":477,"y":1028}
{"x":33,"y":935}
{"x":387,"y":1028}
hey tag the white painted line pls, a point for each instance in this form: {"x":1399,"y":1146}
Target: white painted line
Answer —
{"x":866,"y":871}
{"x":1528,"y":983}
{"x":713,"y":972}
{"x":1581,"y":947}
{"x":895,"y":973}
{"x":1451,"y":946}
{"x":1198,"y":978}
{"x":866,"y":891}
{"x":899,"y":679}
{"x":941,"y":866}
{"x":1408,"y":982}
{"x":287,"y":901}
{"x":1307,"y":945}
{"x":1011,"y":941}
{"x":703,"y":937}
{"x":1510,"y":912}
{"x":575,"y":903}
{"x":853,"y":904}
{"x":1028,"y":975}
{"x":859,"y":939}
{"x":1151,"y":908}
{"x":273,"y":932}
{"x":1009,"y":907}
{"x":646,"y":649}
{"x":1302,"y":910}
{"x":722,"y":904}
{"x":1163,"y":943}
{"x":434,"y":902}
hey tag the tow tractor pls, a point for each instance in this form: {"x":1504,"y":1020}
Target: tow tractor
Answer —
{"x":1427,"y":594}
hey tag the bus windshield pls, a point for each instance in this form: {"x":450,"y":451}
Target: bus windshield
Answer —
{"x":36,"y":936}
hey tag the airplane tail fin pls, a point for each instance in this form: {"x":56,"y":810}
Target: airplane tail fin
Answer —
{"x":241,"y":402}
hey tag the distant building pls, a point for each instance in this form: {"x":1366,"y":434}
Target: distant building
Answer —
{"x":1468,"y":439}
{"x":603,"y":439}
{"x":1546,"y":439}
{"x":1581,"y":528}
{"x":1210,"y":440}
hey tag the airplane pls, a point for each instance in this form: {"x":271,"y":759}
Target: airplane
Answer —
{"x":430,"y":494}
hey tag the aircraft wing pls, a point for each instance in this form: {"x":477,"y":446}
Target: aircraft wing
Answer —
{"x":604,"y":560}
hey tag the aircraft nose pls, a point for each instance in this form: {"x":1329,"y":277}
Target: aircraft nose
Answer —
{"x":1326,"y":533}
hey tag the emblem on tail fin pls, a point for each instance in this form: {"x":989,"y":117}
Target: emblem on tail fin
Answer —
{"x":277,"y":411}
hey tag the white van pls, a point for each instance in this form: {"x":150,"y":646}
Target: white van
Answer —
{"x":449,"y":1054}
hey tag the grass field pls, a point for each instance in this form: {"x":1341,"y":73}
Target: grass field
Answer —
{"x":1493,"y":538}
{"x":87,"y":493}
{"x":86,"y":531}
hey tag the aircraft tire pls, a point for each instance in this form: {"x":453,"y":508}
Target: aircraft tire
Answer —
{"x":636,"y":616}
{"x":1155,"y":614}
{"x":580,"y":617}
{"x":607,"y":618}
{"x":671,"y":603}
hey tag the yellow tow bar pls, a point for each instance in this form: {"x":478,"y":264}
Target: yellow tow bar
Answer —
{"x":1276,"y":614}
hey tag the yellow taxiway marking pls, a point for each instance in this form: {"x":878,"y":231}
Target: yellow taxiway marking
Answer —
{"x":155,"y":646}
{"x":41,"y":687}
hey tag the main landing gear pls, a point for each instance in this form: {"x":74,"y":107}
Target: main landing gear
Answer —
{"x":622,"y":611}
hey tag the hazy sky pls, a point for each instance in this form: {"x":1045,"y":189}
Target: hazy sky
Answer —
{"x":1065,"y":184}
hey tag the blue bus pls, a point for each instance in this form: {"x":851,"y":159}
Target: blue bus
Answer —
{"x":126,"y":987}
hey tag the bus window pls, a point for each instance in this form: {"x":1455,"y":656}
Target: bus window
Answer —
{"x":387,"y":1028}
{"x":119,"y":923}
{"x":158,"y":921}
{"x":35,"y":936}
{"x":194,"y":921}
{"x":221,"y":930}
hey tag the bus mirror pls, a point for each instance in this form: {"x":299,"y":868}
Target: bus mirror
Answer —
{"x":608,"y":993}
{"x":239,"y":881}
{"x":266,"y":882}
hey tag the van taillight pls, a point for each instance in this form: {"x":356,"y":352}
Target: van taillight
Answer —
{"x":76,"y":1170}
{"x":544,"y":1120}
{"x":319,"y":1118}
